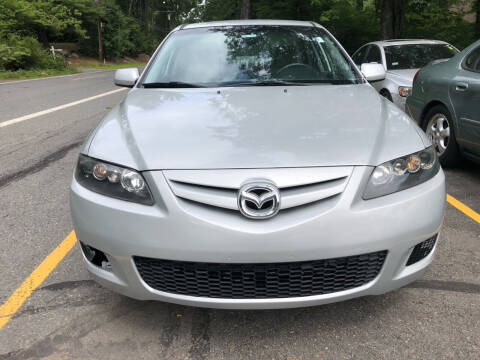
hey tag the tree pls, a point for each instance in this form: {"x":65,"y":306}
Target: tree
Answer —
{"x":245,"y":9}
{"x":392,"y":18}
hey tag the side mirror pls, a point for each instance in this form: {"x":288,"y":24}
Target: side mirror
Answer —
{"x":373,"y":72}
{"x":126,"y":77}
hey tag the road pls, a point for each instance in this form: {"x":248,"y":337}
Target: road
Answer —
{"x":70,"y":317}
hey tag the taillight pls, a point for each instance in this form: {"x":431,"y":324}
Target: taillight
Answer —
{"x":416,"y":76}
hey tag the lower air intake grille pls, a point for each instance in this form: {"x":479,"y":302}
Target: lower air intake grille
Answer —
{"x":421,"y":251}
{"x":260,"y":281}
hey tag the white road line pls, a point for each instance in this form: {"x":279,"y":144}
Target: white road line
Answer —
{"x":56,"y":108}
{"x":53,"y":77}
{"x":88,"y":77}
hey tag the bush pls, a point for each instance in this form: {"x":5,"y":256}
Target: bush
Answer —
{"x":26,"y":53}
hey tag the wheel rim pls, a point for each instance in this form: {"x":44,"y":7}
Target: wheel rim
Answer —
{"x":438,"y":130}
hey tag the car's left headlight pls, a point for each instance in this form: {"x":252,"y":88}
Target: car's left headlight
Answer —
{"x":402,"y":173}
{"x":112,"y":180}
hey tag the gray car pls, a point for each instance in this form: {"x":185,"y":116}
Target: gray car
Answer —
{"x":401,"y":59}
{"x":252,"y":166}
{"x":446,"y":104}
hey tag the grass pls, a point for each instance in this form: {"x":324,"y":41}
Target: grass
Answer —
{"x":98,"y":65}
{"x":36,"y":73}
{"x":85,"y":63}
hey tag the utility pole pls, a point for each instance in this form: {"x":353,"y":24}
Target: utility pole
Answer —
{"x":100,"y":43}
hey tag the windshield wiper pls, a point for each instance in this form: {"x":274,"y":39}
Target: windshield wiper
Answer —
{"x":171,"y":84}
{"x":270,"y":82}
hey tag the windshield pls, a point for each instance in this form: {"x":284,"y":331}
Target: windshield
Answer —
{"x":415,"y":56}
{"x":243,"y":55}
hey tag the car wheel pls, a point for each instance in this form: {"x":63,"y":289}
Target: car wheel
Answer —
{"x":439,"y":128}
{"x":386,"y":94}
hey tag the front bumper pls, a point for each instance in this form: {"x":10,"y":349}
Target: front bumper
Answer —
{"x":171,"y":230}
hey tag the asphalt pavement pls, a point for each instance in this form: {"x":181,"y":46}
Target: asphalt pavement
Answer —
{"x":70,"y":317}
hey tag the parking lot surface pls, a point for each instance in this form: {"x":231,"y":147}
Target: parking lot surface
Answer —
{"x":68,"y":316}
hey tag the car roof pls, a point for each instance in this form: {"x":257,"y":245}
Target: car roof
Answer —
{"x":394,"y":42}
{"x":248,"y":23}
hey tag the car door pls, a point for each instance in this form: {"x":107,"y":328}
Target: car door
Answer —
{"x":374,"y":55}
{"x":465,"y":96}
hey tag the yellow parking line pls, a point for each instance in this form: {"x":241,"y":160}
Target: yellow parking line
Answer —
{"x":463,"y":208}
{"x":16,"y":300}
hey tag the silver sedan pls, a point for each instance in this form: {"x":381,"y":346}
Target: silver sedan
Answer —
{"x":253,"y":166}
{"x":401,"y":59}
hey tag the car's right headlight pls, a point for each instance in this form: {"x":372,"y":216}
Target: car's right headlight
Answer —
{"x":402,"y":173}
{"x":112,"y":180}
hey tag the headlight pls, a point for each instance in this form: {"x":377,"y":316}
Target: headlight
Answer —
{"x":404,"y":91}
{"x":402,"y":173}
{"x":112,"y":180}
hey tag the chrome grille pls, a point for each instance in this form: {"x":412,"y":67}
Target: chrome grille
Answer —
{"x":298,"y":187}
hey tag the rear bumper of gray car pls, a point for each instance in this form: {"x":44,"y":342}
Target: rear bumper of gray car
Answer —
{"x":399,"y":101}
{"x":414,"y":108}
{"x":170,"y":231}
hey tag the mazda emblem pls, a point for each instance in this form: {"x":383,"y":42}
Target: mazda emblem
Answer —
{"x":259,"y":200}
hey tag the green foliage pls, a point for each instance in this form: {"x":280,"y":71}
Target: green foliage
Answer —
{"x":36,"y":73}
{"x":26,"y":53}
{"x":122,"y":35}
{"x":434,"y":20}
{"x":353,"y":27}
{"x":47,"y":17}
{"x":355,"y":22}
{"x":131,"y":27}
{"x":216,"y":10}
{"x":288,"y":9}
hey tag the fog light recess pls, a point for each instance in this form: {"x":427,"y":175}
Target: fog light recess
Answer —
{"x":96,"y":257}
{"x":422,"y":250}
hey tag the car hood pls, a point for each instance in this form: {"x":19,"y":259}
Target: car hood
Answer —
{"x":403,"y":77}
{"x":253,"y":127}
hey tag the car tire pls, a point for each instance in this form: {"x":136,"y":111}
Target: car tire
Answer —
{"x":386,"y":94}
{"x":438,"y":126}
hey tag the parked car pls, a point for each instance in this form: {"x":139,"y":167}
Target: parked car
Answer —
{"x":253,"y":166}
{"x":401,"y":59}
{"x":446,"y":104}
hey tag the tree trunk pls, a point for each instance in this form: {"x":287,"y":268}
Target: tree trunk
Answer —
{"x":130,"y":7}
{"x":43,"y":38}
{"x":245,"y":9}
{"x":392,"y":17}
{"x":477,"y":23}
{"x":359,"y":5}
